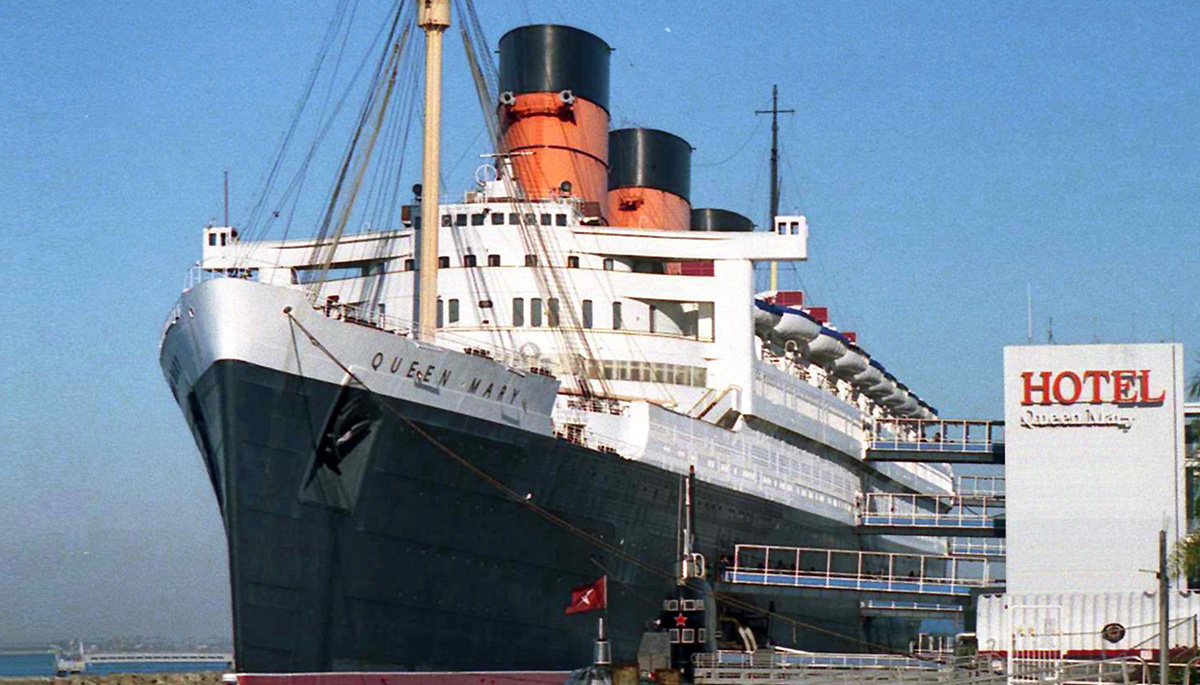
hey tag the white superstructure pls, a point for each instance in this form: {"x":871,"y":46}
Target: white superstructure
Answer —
{"x":668,"y":368}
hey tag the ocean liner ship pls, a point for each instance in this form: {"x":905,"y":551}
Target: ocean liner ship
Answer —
{"x":407,"y":496}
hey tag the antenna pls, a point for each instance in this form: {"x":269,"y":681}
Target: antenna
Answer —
{"x":1050,"y":330}
{"x":1028,"y":314}
{"x":226,"y":224}
{"x":774,"y":112}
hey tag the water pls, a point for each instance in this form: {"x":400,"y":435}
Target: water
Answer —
{"x":156,"y":667}
{"x":44,"y":664}
{"x":27,"y":664}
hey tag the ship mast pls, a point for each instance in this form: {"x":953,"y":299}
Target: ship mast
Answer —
{"x":434,"y":17}
{"x":774,"y":112}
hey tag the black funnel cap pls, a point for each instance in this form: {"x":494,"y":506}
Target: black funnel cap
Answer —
{"x":547,"y":58}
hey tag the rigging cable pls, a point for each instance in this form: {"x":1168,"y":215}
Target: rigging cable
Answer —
{"x":591,"y":538}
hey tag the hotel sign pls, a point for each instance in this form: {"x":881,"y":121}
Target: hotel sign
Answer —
{"x":1119,"y":388}
{"x":1089,"y":426}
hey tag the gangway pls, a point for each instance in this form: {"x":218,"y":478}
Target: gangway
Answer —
{"x":979,"y":485}
{"x":846,"y":569}
{"x":888,"y":513}
{"x":936,"y":440}
{"x":976,"y":547}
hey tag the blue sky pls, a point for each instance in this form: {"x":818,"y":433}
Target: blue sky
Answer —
{"x":947,"y":155}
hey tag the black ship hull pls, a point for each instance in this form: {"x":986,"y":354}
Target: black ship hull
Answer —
{"x":388,"y":553}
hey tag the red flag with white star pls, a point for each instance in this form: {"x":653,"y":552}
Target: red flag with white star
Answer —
{"x":589,"y":597}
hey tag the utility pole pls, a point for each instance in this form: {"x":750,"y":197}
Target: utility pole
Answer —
{"x":1164,"y":612}
{"x":774,"y":112}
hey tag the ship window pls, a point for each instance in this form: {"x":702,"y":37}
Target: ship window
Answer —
{"x":700,"y":635}
{"x":485,"y":304}
{"x":518,"y":312}
{"x":587,"y":313}
{"x":453,"y":311}
{"x":608,"y":370}
{"x":493,"y":260}
{"x":674,"y":636}
{"x":681,"y":378}
{"x":552,"y":311}
{"x":573,"y":262}
{"x":535,"y":311}
{"x":469,"y":260}
{"x":700,"y":607}
{"x":545,"y":219}
{"x":616,"y":316}
{"x":446,"y":220}
{"x":477,"y":219}
{"x":672,"y":605}
{"x":689,"y":635}
{"x":409,"y":264}
{"x":223,"y":240}
{"x":639,"y":371}
{"x":514,"y":219}
{"x":460,"y":220}
{"x":623,"y":371}
{"x":608,"y":264}
{"x":530,"y":260}
{"x":212,"y":239}
{"x":439,"y":313}
{"x":560,"y":219}
{"x":688,"y":604}
{"x":443,"y":262}
{"x":653,"y":316}
{"x":497,"y":218}
{"x":531,"y":219}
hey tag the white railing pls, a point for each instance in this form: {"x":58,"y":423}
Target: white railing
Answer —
{"x":979,"y":485}
{"x":921,"y":607}
{"x":937,"y":511}
{"x":976,"y":547}
{"x":834,"y":569}
{"x":936,"y":435}
{"x":597,"y":406}
{"x":767,"y":667}
{"x":197,"y":274}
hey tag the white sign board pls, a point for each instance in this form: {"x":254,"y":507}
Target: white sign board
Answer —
{"x":1093,"y":445}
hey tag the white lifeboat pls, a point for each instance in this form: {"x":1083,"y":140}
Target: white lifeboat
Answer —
{"x":869,"y":378}
{"x":827,"y":347}
{"x":766,"y":318}
{"x":849,"y":365}
{"x":797,"y":326}
{"x":911,"y":406}
{"x":885,"y":387}
{"x":896,"y":397}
